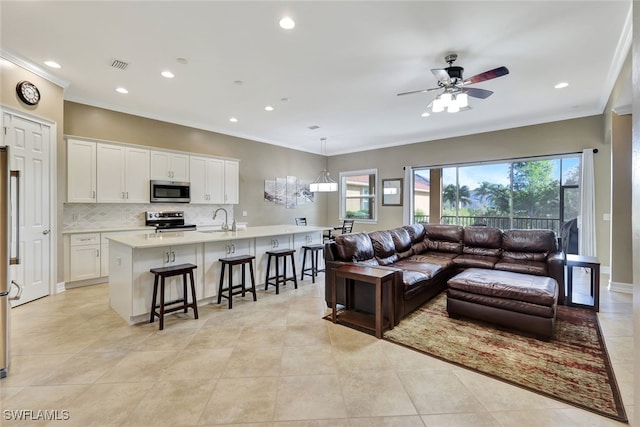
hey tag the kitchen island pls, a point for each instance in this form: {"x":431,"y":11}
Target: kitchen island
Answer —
{"x":131,"y":256}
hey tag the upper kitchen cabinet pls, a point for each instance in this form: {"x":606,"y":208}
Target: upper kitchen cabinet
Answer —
{"x":231,"y":182}
{"x":81,"y":171}
{"x":214,"y":181}
{"x":169,"y":166}
{"x":122,"y":174}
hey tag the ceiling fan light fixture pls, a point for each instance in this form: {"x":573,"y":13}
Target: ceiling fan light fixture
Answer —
{"x":437,"y":105}
{"x":453,"y":108}
{"x":446,"y":99}
{"x":462,"y":99}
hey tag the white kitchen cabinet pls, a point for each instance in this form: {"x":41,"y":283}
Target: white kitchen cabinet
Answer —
{"x":231,"y":182}
{"x":300,"y":240}
{"x":213,"y":251}
{"x":264,"y":244}
{"x":81,"y":171}
{"x":84,"y":256}
{"x":122,"y":174}
{"x":166,"y":256}
{"x":169,"y":166}
{"x":214,"y":181}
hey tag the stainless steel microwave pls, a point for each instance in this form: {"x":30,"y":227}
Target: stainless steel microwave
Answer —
{"x":170,"y":192}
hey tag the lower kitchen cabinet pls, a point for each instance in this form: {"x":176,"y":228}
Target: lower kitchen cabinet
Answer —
{"x":84,"y":256}
{"x":213,"y":251}
{"x":264,"y":244}
{"x":300,"y":240}
{"x":163,"y":257}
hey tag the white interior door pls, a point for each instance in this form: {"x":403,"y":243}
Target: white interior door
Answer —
{"x":29,"y":143}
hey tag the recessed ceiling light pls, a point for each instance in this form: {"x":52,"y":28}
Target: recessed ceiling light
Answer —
{"x":268,"y":108}
{"x":52,"y":64}
{"x":287,"y":23}
{"x":561,"y":85}
{"x":122,"y":90}
{"x":182,"y":61}
{"x":425,"y":114}
{"x":233,"y":120}
{"x":168,"y":74}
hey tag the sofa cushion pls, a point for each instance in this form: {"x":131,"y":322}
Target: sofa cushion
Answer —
{"x":485,"y":241}
{"x":442,"y":259}
{"x":427,"y":269}
{"x":354,"y":247}
{"x":528,"y":245}
{"x":383,"y":247}
{"x":444,"y":238}
{"x":478,"y":261}
{"x":538,"y":268}
{"x":402,"y":242}
{"x":416,"y":232}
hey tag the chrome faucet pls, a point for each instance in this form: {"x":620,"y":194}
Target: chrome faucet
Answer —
{"x":225,"y":225}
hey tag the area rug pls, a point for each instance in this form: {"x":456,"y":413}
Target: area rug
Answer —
{"x":572,"y":367}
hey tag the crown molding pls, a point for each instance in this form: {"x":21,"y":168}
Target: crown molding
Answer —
{"x":30,"y":66}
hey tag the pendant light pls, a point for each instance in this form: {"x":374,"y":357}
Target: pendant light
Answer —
{"x":323,"y":182}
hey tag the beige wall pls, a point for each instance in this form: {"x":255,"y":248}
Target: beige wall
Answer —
{"x":549,"y":138}
{"x":50,"y":109}
{"x":635,"y":209}
{"x":258,"y":161}
{"x":621,"y":257}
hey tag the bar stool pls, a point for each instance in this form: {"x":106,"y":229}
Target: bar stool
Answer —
{"x":315,"y":250}
{"x":232,"y":289}
{"x":280,"y":278}
{"x":171,"y":271}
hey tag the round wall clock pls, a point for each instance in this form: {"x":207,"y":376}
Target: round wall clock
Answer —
{"x":28,"y":92}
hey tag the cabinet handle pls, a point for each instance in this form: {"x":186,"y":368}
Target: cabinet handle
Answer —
{"x":127,"y":193}
{"x":97,"y":253}
{"x":93,"y":196}
{"x":167,"y":260}
{"x":173,"y":256}
{"x":233,"y":248}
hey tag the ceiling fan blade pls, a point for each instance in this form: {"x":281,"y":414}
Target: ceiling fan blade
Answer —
{"x":441,"y":75}
{"x":477,"y":93}
{"x":419,"y":91}
{"x":487,"y":75}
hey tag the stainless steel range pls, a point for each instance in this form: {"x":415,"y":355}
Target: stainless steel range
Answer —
{"x":168,"y":221}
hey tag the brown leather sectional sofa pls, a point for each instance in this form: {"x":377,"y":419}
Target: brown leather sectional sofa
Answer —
{"x":425,"y":256}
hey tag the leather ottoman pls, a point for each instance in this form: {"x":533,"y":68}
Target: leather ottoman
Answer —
{"x":514,"y":300}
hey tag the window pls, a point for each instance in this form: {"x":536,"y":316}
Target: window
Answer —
{"x":358,"y":195}
{"x":522,"y":193}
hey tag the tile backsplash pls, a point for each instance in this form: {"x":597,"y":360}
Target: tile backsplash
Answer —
{"x":116,"y":215}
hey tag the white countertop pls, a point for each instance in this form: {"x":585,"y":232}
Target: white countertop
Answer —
{"x":108,"y":229}
{"x":150,"y":240}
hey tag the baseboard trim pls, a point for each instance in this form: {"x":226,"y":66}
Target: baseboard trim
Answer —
{"x":60,"y":287}
{"x":620,"y":287}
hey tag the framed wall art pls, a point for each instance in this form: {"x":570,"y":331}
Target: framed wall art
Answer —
{"x":392,"y":192}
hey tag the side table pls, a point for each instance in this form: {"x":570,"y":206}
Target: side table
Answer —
{"x":379,"y":278}
{"x":591,"y":263}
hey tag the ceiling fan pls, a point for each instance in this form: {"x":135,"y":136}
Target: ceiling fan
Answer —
{"x":455,"y":93}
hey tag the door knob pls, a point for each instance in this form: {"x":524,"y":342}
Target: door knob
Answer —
{"x":45,"y":232}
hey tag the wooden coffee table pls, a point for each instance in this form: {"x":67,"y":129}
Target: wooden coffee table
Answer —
{"x":375,"y":276}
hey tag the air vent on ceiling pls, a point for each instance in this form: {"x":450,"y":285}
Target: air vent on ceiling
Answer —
{"x":120,"y":65}
{"x":314,"y":127}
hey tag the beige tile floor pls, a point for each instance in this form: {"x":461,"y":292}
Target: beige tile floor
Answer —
{"x":273,"y":362}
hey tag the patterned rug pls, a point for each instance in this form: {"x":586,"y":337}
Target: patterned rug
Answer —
{"x":573,"y":367}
